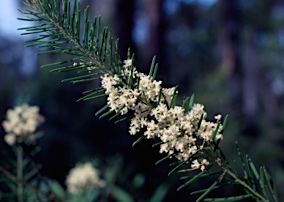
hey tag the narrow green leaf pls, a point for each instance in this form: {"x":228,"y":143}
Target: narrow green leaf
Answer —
{"x":79,"y":77}
{"x":159,"y":193}
{"x":118,"y":112}
{"x":34,"y":44}
{"x":163,"y":159}
{"x":216,"y":187}
{"x":94,"y":97}
{"x":33,"y":27}
{"x":35,"y":32}
{"x":117,"y":58}
{"x":138,"y":140}
{"x":85,"y":80}
{"x":128,"y":53}
{"x":37,"y":39}
{"x":124,"y":119}
{"x":255,"y":172}
{"x":68,"y":68}
{"x":225,"y":122}
{"x":175,"y":168}
{"x":49,"y":51}
{"x":270,"y":185}
{"x":185,"y":105}
{"x":242,"y":161}
{"x":78,"y":23}
{"x":47,"y":45}
{"x":28,"y":19}
{"x":102,"y":109}
{"x":60,"y":63}
{"x":216,"y":131}
{"x":173,"y":101}
{"x":155,"y":72}
{"x":250,"y":174}
{"x":262,"y":182}
{"x":191,"y":102}
{"x":91,"y":94}
{"x":229,"y":199}
{"x":104,"y":36}
{"x":207,"y":191}
{"x":191,"y":180}
{"x":152,"y":66}
{"x":69,"y":14}
{"x":110,"y":55}
{"x":200,"y":120}
{"x":157,"y":144}
{"x":121,"y":195}
{"x":57,"y":189}
{"x":105,"y":114}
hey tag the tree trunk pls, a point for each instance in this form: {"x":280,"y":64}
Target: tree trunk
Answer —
{"x":124,"y":19}
{"x":229,"y":41}
{"x":155,"y":44}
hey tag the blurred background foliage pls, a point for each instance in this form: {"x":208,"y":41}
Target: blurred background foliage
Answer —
{"x":229,"y":53}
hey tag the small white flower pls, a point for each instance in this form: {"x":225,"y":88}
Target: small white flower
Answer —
{"x":10,"y":139}
{"x":127,"y":63}
{"x":204,"y":163}
{"x":21,"y":121}
{"x":218,"y":117}
{"x":84,"y":177}
{"x":195,"y":164}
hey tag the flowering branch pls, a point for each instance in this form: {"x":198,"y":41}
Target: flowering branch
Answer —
{"x":182,"y":131}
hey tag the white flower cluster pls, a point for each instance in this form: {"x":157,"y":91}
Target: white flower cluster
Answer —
{"x":83,"y":177}
{"x":182,"y":134}
{"x":21,"y":122}
{"x":196,"y":165}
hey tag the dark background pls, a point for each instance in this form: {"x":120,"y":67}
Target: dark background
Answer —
{"x":228,"y":53}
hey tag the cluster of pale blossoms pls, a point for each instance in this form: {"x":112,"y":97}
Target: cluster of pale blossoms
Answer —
{"x":182,"y":133}
{"x":82,"y":178}
{"x":21,"y":123}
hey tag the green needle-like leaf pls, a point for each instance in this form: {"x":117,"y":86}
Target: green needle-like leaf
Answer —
{"x":138,"y":140}
{"x":242,"y":161}
{"x":124,"y":119}
{"x":191,"y":102}
{"x":118,"y":112}
{"x":152,"y":66}
{"x":262,"y":183}
{"x":255,"y":172}
{"x":191,"y":180}
{"x":163,"y":159}
{"x":173,"y":170}
{"x":102,"y":109}
{"x":228,"y":199}
{"x":215,"y":131}
{"x":207,"y":191}
{"x":173,"y":101}
{"x":225,"y":122}
{"x":105,"y":114}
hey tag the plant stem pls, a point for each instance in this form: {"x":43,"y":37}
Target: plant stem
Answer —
{"x":243,"y":183}
{"x":25,"y":183}
{"x":20,"y":189}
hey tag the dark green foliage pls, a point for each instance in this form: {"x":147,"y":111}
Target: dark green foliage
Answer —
{"x":33,"y":188}
{"x":91,"y":53}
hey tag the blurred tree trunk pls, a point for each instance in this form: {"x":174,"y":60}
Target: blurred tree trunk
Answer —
{"x":124,"y":10}
{"x":242,"y":75}
{"x":250,"y":85}
{"x":229,"y":41}
{"x":155,"y":44}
